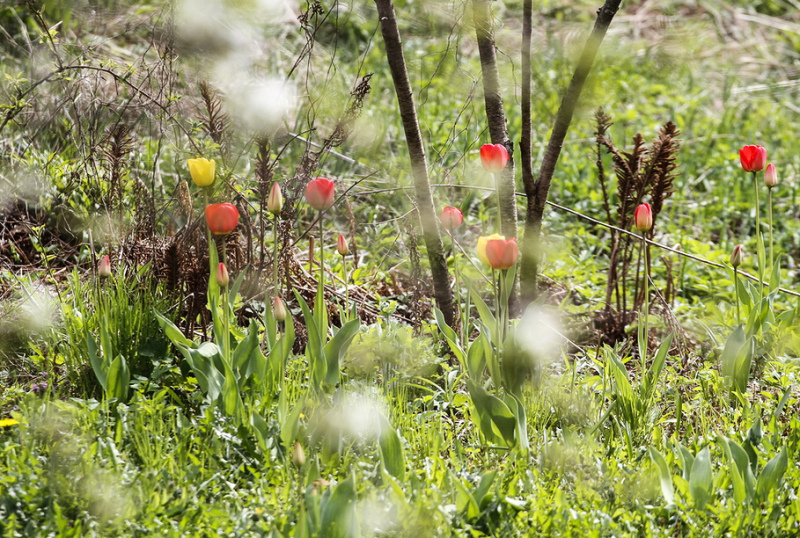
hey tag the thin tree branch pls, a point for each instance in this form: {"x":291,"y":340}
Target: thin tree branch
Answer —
{"x":419,"y":167}
{"x":537,"y":197}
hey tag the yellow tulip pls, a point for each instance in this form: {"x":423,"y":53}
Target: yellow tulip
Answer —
{"x":202,"y":171}
{"x":482,"y":240}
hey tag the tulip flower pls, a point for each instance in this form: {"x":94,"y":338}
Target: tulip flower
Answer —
{"x":737,"y":255}
{"x":104,"y":268}
{"x":770,"y":176}
{"x":341,"y":245}
{"x":753,"y":158}
{"x":319,"y":193}
{"x":275,"y":200}
{"x":222,"y":275}
{"x":494,"y":157}
{"x":502,"y":253}
{"x":222,"y":218}
{"x":481,"y":248}
{"x":643,"y":217}
{"x":278,"y":309}
{"x":202,"y":171}
{"x":451,"y":218}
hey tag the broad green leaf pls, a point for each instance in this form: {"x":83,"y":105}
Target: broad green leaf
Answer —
{"x":96,"y":360}
{"x":771,"y":475}
{"x":391,"y":449}
{"x":737,"y":478}
{"x":497,"y":411}
{"x":489,"y":321}
{"x":336,"y":348}
{"x":449,"y":335}
{"x":730,"y":352}
{"x":479,"y":351}
{"x":702,"y":478}
{"x":118,"y":379}
{"x":314,"y":348}
{"x":173,"y":333}
{"x":664,"y":476}
{"x":481,"y":493}
{"x":687,"y":460}
{"x":741,"y":370}
{"x":515,"y":404}
{"x":465,"y":502}
{"x":654,"y":372}
{"x":233,"y":290}
{"x":338,"y":513}
{"x":291,"y":426}
{"x":261,"y":430}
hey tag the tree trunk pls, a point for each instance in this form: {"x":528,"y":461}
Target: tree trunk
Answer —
{"x":419,"y":167}
{"x":537,"y":192}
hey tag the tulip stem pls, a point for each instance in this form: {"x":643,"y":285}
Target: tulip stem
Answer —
{"x":321,"y":274}
{"x":346,"y":290}
{"x":646,"y":308}
{"x":771,"y":244}
{"x":736,"y":291}
{"x":759,"y":239}
{"x":275,"y":282}
{"x":462,"y":319}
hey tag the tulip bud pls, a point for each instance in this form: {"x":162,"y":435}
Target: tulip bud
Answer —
{"x":275,"y":200}
{"x":341,"y":245}
{"x":481,"y":248}
{"x":278,"y":309}
{"x":753,"y":158}
{"x":737,"y":255}
{"x":320,"y":193}
{"x":494,"y":157}
{"x":104,"y":268}
{"x":298,"y":455}
{"x":643,"y":217}
{"x":222,"y":275}
{"x":202,"y":171}
{"x":451,"y":218}
{"x":770,"y":176}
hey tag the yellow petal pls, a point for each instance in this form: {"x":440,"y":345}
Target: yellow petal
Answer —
{"x":202,"y":171}
{"x":481,"y":248}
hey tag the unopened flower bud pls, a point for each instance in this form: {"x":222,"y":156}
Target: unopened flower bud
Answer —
{"x":770,"y":176}
{"x":275,"y":200}
{"x":341,"y":245}
{"x":278,"y":309}
{"x":737,"y":255}
{"x":222,"y":275}
{"x":298,"y":455}
{"x":104,"y":268}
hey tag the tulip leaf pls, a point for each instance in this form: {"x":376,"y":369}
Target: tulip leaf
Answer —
{"x":291,"y":425}
{"x":495,"y":409}
{"x":338,"y":513}
{"x":391,"y":449}
{"x":701,"y":479}
{"x":96,"y":360}
{"x":664,"y":476}
{"x":489,"y":321}
{"x":771,"y":475}
{"x":479,"y":351}
{"x":731,"y":351}
{"x":337,"y":347}
{"x":314,"y":349}
{"x":119,"y":379}
{"x":449,"y":335}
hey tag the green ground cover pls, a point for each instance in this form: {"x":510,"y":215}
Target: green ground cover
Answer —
{"x":402,"y":432}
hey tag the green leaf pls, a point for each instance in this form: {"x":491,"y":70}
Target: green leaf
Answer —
{"x":654,"y":372}
{"x":291,"y":426}
{"x":481,"y":493}
{"x":449,"y":335}
{"x":664,"y":476}
{"x":336,"y":348}
{"x":486,"y":316}
{"x":497,"y":411}
{"x":173,"y":333}
{"x":96,"y":360}
{"x":771,"y":475}
{"x":338,"y":513}
{"x":737,"y":478}
{"x":118,"y":379}
{"x":314,"y":348}
{"x":701,"y":480}
{"x":248,"y":361}
{"x":479,"y":351}
{"x":741,"y":370}
{"x":261,"y":429}
{"x":391,"y":449}
{"x":687,"y":460}
{"x":515,"y":404}
{"x":730,"y":352}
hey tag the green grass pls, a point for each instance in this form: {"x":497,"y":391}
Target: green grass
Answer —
{"x":609,"y":453}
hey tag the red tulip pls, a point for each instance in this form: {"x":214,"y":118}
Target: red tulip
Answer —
{"x":222,"y":218}
{"x":341,"y":245}
{"x":753,"y":158}
{"x":643,"y":218}
{"x":502,"y":253}
{"x":319,"y":193}
{"x":770,"y":176}
{"x":494,"y":157}
{"x":104,"y":269}
{"x":451,"y":218}
{"x":222,"y":275}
